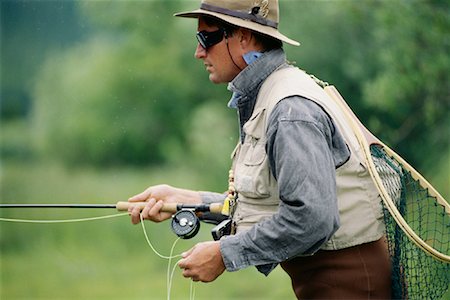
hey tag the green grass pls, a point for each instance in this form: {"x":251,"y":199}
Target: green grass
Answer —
{"x":103,"y":259}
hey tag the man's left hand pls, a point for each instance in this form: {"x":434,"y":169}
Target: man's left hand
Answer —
{"x":203,"y":262}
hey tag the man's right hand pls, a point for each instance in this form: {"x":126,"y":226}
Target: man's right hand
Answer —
{"x":156,"y":196}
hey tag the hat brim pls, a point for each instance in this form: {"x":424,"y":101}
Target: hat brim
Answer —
{"x":267,"y":30}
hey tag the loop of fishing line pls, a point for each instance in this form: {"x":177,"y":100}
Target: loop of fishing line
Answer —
{"x":170,"y":274}
{"x":151,"y":245}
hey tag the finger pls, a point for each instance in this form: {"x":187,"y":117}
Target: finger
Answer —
{"x":195,"y":278}
{"x":182,"y":264}
{"x":147,"y":208}
{"x":135,"y":215}
{"x":141,"y":196}
{"x":187,"y":273}
{"x":155,"y":209}
{"x":187,"y":253}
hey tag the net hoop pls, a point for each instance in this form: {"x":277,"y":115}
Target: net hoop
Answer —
{"x":387,"y":200}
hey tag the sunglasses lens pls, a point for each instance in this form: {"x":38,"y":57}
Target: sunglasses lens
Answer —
{"x":201,"y":39}
{"x":208,"y":39}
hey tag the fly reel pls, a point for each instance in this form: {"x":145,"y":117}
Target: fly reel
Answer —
{"x":185,"y":223}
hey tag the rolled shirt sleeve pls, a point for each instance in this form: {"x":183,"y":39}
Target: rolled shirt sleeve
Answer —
{"x":211,"y":197}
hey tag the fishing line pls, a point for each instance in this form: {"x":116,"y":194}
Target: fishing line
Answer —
{"x":169,"y":282}
{"x":169,"y":287}
{"x":151,"y":245}
{"x":62,"y":221}
{"x":170,"y":275}
{"x":191,"y":285}
{"x":192,"y":291}
{"x":170,"y":278}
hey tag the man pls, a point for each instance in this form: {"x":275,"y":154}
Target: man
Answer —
{"x":304,"y":198}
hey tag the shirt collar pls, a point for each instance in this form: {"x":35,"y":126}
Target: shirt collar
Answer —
{"x":249,"y":58}
{"x":246,"y":84}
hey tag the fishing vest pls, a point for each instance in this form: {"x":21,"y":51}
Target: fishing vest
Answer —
{"x":359,"y":204}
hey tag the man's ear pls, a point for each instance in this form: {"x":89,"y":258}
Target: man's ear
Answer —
{"x":246,"y":38}
{"x":248,"y":41}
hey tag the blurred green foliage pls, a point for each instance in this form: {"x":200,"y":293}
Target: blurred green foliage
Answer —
{"x":125,"y":91}
{"x":116,"y":98}
{"x":100,"y":99}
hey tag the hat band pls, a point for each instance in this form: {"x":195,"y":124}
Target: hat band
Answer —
{"x":238,"y":14}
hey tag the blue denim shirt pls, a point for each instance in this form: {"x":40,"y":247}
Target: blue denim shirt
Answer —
{"x":304,"y":148}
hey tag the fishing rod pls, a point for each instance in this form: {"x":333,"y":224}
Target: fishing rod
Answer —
{"x":185,"y":221}
{"x":123,"y":206}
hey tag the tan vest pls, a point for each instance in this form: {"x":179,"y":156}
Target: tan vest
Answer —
{"x":359,"y":205}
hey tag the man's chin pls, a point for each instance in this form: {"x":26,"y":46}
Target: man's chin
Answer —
{"x":213,"y":79}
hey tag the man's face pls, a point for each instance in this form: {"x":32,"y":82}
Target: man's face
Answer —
{"x":217,"y":59}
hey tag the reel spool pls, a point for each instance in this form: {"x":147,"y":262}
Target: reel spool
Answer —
{"x":185,"y":223}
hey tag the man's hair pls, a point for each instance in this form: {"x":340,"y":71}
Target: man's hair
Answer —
{"x":268,"y":43}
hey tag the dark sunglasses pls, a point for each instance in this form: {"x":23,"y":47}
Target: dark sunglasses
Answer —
{"x":208,"y":39}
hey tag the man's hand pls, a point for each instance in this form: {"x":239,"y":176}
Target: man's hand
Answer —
{"x":156,"y":196}
{"x":203,"y":262}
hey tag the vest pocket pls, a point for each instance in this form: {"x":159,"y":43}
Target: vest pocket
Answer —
{"x":252,"y":175}
{"x":247,"y":215}
{"x":255,"y":152}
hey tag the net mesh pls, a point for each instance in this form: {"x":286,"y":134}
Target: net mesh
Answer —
{"x":415,"y":273}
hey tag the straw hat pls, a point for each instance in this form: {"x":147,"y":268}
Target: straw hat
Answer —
{"x":258,"y":15}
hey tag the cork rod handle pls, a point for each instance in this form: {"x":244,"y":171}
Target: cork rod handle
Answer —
{"x":173,"y":207}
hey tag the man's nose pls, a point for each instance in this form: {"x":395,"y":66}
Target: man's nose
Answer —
{"x":200,"y":52}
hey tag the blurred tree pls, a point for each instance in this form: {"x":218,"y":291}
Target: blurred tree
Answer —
{"x":124,"y":97}
{"x":127,"y":95}
{"x":209,"y":150}
{"x":28,"y":30}
{"x":409,"y":96}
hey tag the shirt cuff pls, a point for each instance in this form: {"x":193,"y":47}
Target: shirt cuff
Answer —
{"x":233,"y":258}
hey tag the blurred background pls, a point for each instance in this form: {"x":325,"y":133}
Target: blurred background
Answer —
{"x":100,"y":99}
